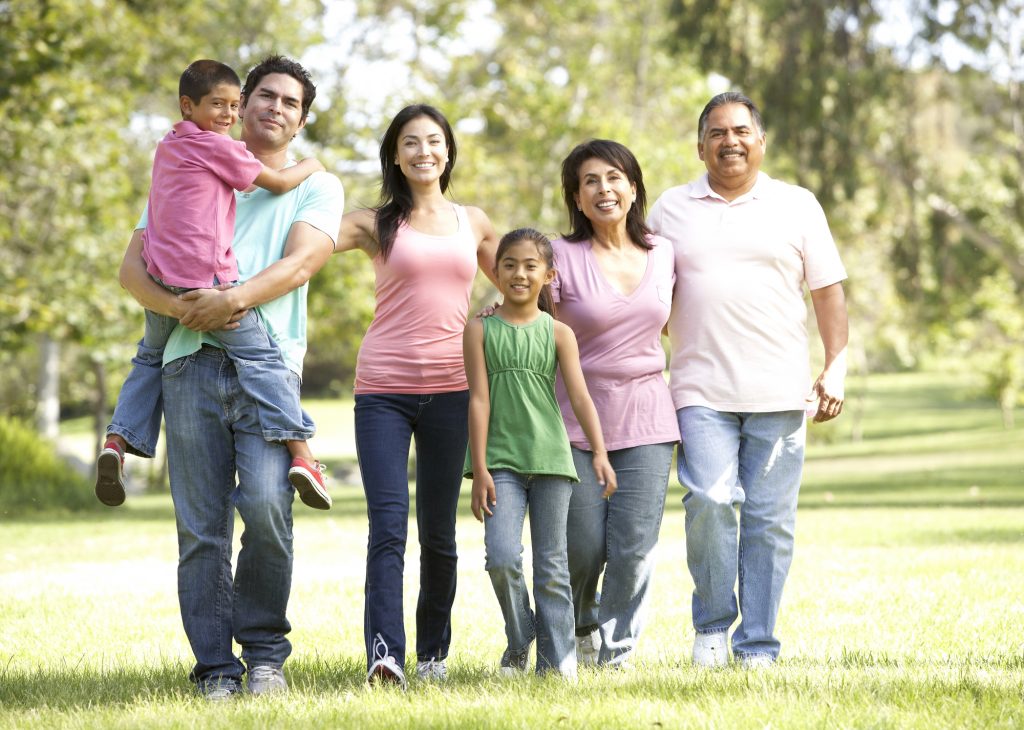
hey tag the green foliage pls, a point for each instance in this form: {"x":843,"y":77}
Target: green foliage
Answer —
{"x":33,"y":478}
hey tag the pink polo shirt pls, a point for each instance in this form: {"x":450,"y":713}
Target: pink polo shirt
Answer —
{"x":187,"y":241}
{"x":414,"y":344}
{"x":619,"y":337}
{"x":738,"y":325}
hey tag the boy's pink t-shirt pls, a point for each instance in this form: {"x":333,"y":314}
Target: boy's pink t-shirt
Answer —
{"x":414,"y":344}
{"x":738,"y":326}
{"x":187,"y":241}
{"x":619,"y":337}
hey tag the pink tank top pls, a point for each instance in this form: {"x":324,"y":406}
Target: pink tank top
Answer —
{"x":414,"y":344}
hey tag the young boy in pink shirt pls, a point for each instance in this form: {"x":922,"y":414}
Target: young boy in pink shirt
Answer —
{"x":187,"y":245}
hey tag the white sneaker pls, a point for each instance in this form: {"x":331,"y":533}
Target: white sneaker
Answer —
{"x":711,"y":650}
{"x":385,"y":669}
{"x":432,"y":670}
{"x":757,"y":661}
{"x":588,"y":648}
{"x":265,"y":679}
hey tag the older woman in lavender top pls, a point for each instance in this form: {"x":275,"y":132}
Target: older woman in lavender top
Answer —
{"x":614,"y":289}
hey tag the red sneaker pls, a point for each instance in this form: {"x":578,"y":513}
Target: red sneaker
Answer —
{"x":309,"y":480}
{"x":110,"y":475}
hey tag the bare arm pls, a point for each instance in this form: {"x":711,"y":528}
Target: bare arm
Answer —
{"x":306,"y":250}
{"x":479,"y":417}
{"x":137,"y":282}
{"x":582,"y":405}
{"x":358,"y":231}
{"x":289,"y":178}
{"x":830,"y":312}
{"x":487,"y":242}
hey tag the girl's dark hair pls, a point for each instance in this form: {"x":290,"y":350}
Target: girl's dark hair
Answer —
{"x":618,"y":156}
{"x":395,"y":203}
{"x":545,"y":302}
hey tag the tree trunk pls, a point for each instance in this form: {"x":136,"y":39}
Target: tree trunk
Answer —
{"x":48,"y":404}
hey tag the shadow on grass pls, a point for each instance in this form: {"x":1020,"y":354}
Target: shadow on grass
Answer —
{"x":882,"y":676}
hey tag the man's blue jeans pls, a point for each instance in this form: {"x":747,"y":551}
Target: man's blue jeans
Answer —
{"x":261,"y":369}
{"x":547,"y":500}
{"x":616,"y":536}
{"x":385,"y":424}
{"x":214,"y":433}
{"x":748,"y":463}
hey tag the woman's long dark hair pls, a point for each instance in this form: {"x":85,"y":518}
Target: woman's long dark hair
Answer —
{"x":395,"y":203}
{"x":618,"y":156}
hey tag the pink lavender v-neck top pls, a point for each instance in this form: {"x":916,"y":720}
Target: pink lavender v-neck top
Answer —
{"x":414,"y":344}
{"x":619,"y":337}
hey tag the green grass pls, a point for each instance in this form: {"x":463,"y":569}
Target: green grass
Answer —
{"x":904,"y":606}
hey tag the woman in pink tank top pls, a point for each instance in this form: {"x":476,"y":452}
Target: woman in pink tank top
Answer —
{"x":410,"y":383}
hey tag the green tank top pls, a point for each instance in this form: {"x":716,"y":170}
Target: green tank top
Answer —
{"x":525,"y":432}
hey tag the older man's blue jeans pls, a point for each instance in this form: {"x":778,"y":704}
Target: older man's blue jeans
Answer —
{"x":214,"y":434}
{"x":745,"y":464}
{"x":546,"y":498}
{"x":616,"y":537}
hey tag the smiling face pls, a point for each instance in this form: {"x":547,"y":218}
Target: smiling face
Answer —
{"x":422,"y":152}
{"x":522,"y":272}
{"x":605,"y":194}
{"x":217,"y":111}
{"x":732,"y":149}
{"x":272,"y":113}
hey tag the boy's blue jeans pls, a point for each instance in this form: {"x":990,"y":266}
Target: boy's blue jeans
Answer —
{"x":547,"y":500}
{"x":261,"y":370}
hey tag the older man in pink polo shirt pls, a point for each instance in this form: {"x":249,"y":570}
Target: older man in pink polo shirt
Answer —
{"x":745,"y":246}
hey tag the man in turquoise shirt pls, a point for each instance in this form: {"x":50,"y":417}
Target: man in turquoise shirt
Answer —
{"x":213,"y":429}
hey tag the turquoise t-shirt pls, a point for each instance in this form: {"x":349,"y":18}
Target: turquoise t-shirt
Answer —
{"x":262,"y":223}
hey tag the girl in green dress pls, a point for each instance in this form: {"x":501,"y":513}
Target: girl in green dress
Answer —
{"x":519,"y":457}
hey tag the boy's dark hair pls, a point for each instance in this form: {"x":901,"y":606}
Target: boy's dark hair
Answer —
{"x":201,"y":76}
{"x":286,"y":66}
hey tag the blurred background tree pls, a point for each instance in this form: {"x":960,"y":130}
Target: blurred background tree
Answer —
{"x":903,"y":117}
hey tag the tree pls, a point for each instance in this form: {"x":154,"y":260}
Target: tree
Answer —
{"x":79,"y":80}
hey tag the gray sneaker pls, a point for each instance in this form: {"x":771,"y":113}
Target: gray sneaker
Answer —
{"x":432,"y":670}
{"x":515,"y":661}
{"x":219,"y":689}
{"x":266,"y":679}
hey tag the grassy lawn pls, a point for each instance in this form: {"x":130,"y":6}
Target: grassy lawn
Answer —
{"x":904,"y":606}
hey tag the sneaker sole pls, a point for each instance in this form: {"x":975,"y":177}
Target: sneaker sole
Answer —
{"x":109,"y":487}
{"x":310,"y":492}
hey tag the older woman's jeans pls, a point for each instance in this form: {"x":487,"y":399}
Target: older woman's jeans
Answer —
{"x":546,"y":498}
{"x":214,"y":433}
{"x":750,"y":464}
{"x":385,"y":424}
{"x":616,"y":536}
